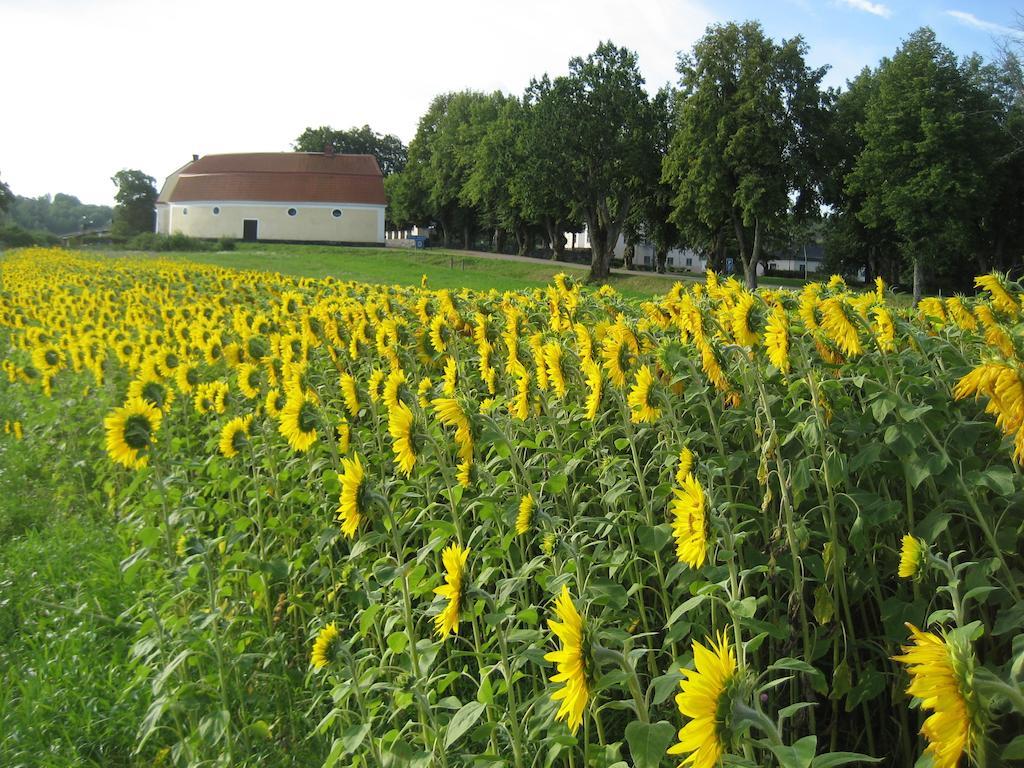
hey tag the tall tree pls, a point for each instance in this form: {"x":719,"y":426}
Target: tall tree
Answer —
{"x":135,"y":211}
{"x":391,"y":153}
{"x":6,"y":197}
{"x":746,"y":149}
{"x":604,"y":142}
{"x":923,"y":167}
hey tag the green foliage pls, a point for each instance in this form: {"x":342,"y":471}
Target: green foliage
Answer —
{"x":391,"y":153}
{"x":154,"y":241}
{"x":745,"y":154}
{"x":135,"y":211}
{"x":14,"y":236}
{"x":6,"y":198}
{"x":70,"y":693}
{"x":61,"y":215}
{"x":929,"y":131}
{"x":608,"y":159}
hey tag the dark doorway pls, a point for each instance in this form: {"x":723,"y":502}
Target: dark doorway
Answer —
{"x":249,"y":227}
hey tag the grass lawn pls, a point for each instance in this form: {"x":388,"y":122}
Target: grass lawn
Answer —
{"x":444,"y":269}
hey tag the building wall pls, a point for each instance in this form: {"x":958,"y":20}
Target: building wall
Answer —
{"x":312,"y":221}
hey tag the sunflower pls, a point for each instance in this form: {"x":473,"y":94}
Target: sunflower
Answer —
{"x":299,"y":420}
{"x":400,"y":426}
{"x":911,"y":556}
{"x":553,"y":361}
{"x":349,"y":394}
{"x":704,"y":698}
{"x":186,"y":376}
{"x":235,"y":436}
{"x":689,"y":522}
{"x":451,"y":414}
{"x":740,"y":317}
{"x":324,"y":647}
{"x":939,"y":674}
{"x":618,"y":350}
{"x":376,"y":385}
{"x":249,"y":380}
{"x":571,"y":661}
{"x":153,"y":391}
{"x":519,"y":405}
{"x":275,"y":402}
{"x":344,"y":434}
{"x":776,"y":338}
{"x":454,"y":558}
{"x":353,"y":485}
{"x":525,"y":516}
{"x":131,"y":432}
{"x":1002,"y":300}
{"x":685,"y":464}
{"x":836,"y":323}
{"x":395,"y":389}
{"x":592,"y":371}
{"x":640,"y":398}
{"x":885,"y":331}
{"x":451,"y":376}
{"x":48,"y":359}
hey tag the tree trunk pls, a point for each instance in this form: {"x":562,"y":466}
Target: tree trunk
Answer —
{"x":750,"y":263}
{"x":495,"y":240}
{"x":918,"y":281}
{"x":661,"y":258}
{"x":556,"y":239}
{"x":521,"y":241}
{"x":465,"y":237}
{"x":599,"y":261}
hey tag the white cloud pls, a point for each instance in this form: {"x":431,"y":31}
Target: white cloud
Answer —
{"x":108,"y":84}
{"x":970,"y":20}
{"x":877,"y":9}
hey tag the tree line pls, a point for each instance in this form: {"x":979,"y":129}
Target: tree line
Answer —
{"x":912,"y":172}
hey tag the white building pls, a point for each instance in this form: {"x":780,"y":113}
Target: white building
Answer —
{"x":276,"y":196}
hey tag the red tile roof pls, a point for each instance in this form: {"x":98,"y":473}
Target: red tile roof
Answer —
{"x":286,"y":177}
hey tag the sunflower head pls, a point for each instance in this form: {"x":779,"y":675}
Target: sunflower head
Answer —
{"x":642,"y":397}
{"x":572,"y":661}
{"x":941,"y":671}
{"x":352,"y":501}
{"x":325,"y":647}
{"x":454,"y":558}
{"x":705,"y":699}
{"x":131,"y":433}
{"x":912,"y":556}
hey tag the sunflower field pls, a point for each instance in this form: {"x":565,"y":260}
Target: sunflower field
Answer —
{"x":386,"y":526}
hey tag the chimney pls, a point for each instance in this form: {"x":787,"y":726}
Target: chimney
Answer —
{"x":194,"y":158}
{"x":329,"y":149}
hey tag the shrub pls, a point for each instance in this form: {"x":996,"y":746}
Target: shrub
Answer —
{"x":226,"y":244}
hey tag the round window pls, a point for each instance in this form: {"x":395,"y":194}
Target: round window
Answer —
{"x":336,"y":213}
{"x":184,"y":211}
{"x":216,"y":211}
{"x":292,"y":212}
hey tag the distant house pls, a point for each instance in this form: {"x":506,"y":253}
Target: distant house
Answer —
{"x":276,"y":196}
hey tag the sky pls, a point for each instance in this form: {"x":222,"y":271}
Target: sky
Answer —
{"x":93,"y":86}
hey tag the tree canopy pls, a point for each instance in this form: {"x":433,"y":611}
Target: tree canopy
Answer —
{"x":749,"y":115}
{"x":389,"y":150}
{"x":135,"y":211}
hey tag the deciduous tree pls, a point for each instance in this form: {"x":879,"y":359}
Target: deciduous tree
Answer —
{"x":391,"y":153}
{"x":135,"y":211}
{"x":749,"y":117}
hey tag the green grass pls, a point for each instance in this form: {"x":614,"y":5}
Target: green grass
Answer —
{"x":68,"y":692}
{"x":444,"y":269}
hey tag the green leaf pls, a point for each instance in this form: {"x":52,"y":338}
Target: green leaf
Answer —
{"x":353,"y":736}
{"x":462,"y":721}
{"x":1014,"y":750}
{"x":799,"y":755}
{"x":654,"y":538}
{"x":397,"y":641}
{"x":797,"y":665}
{"x":648,"y":742}
{"x":606,"y":592}
{"x":557,"y":483}
{"x":833,"y":759}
